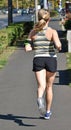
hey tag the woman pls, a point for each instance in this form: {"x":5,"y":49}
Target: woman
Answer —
{"x":45,"y":39}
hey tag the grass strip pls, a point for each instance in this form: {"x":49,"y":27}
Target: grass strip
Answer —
{"x":5,"y":56}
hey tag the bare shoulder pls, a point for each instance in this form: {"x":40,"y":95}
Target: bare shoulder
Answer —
{"x":51,"y":33}
{"x":53,"y":30}
{"x":55,"y":34}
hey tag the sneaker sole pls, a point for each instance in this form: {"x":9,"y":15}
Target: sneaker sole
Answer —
{"x":42,"y":111}
{"x":47,"y":118}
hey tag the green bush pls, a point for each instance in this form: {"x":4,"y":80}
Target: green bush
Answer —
{"x":53,"y":13}
{"x":14,"y":32}
{"x":67,"y":25}
{"x":3,"y":39}
{"x":27,"y":27}
{"x":17,"y":30}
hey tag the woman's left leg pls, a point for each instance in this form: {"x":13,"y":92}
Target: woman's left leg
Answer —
{"x":49,"y":91}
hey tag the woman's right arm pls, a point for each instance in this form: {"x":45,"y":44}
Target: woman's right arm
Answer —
{"x":56,"y":40}
{"x":28,"y":46}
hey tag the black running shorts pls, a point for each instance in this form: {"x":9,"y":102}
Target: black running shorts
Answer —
{"x":48,"y":63}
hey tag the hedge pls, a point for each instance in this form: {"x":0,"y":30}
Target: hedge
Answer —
{"x":14,"y":32}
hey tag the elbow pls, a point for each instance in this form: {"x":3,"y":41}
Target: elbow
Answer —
{"x":59,"y":48}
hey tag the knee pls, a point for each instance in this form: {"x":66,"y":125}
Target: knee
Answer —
{"x":42,"y":86}
{"x":49,"y":85}
{"x":50,"y":82}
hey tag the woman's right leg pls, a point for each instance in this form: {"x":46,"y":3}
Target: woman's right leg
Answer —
{"x":41,"y":80}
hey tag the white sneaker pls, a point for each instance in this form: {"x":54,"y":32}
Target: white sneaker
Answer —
{"x":41,"y":106}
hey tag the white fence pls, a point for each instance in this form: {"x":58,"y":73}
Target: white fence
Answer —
{"x":69,"y":40}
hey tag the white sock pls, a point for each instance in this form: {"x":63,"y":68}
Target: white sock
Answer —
{"x":48,"y":111}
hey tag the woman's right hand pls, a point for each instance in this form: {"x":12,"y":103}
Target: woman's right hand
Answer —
{"x":28,"y":48}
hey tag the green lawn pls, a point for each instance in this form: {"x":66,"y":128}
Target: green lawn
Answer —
{"x":5,"y":56}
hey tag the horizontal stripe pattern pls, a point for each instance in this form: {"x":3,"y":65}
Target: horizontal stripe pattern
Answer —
{"x":42,"y":46}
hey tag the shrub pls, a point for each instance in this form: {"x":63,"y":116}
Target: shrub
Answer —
{"x":3,"y":40}
{"x":14,"y":32}
{"x":67,"y":25}
{"x":53,"y":13}
{"x":17,"y":30}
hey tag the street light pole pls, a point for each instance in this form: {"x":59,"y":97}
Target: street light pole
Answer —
{"x":36,"y":10}
{"x":45,"y":4}
{"x":17,"y":4}
{"x":10,"y":20}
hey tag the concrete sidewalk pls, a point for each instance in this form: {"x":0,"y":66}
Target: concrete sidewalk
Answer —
{"x":18,"y":88}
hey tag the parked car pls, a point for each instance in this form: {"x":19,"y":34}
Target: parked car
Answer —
{"x":19,"y":11}
{"x":5,"y":11}
{"x":24,"y":11}
{"x":31,"y":10}
{"x":15,"y":11}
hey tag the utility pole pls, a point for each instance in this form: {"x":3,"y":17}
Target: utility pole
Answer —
{"x":36,"y":10}
{"x":17,"y":4}
{"x":10,"y":19}
{"x":45,"y":4}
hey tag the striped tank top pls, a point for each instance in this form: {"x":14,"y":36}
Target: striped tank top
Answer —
{"x":42,"y":46}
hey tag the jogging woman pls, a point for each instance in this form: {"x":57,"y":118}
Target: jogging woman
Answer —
{"x":45,"y":40}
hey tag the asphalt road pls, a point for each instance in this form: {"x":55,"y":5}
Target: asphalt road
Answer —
{"x":18,"y":88}
{"x":25,"y":17}
{"x":16,"y":18}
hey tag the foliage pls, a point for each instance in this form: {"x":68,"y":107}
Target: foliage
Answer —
{"x":5,"y":55}
{"x":26,"y":3}
{"x":67,"y":25}
{"x":53,"y":13}
{"x":17,"y":30}
{"x":3,"y":39}
{"x":9,"y":37}
{"x":14,"y":32}
{"x":19,"y":3}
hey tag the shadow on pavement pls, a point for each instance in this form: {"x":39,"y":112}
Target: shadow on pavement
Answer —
{"x":64,"y":77}
{"x":16,"y":119}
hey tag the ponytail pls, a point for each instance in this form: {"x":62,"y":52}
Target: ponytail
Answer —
{"x":39,"y":25}
{"x":43,"y":17}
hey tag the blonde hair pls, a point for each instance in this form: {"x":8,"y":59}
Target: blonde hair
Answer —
{"x":43,"y":17}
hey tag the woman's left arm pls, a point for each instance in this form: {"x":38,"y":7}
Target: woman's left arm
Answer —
{"x":57,"y":40}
